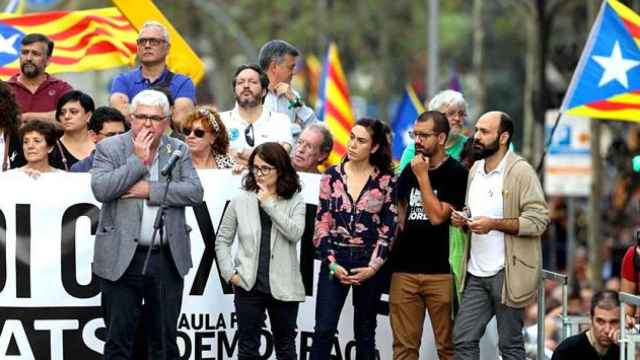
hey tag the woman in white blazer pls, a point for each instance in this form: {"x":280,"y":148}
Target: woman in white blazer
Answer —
{"x":269,"y":218}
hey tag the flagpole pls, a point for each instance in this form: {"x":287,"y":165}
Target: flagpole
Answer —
{"x":583,"y":60}
{"x":432,"y":46}
{"x":572,"y":85}
{"x":546,"y":146}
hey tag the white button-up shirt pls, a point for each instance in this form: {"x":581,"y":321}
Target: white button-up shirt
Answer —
{"x":485,"y":199}
{"x":270,"y":126}
{"x":149,"y":212}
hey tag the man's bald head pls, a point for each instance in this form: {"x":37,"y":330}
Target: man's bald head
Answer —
{"x":498,"y":122}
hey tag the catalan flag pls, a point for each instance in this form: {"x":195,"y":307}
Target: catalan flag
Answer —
{"x":84,"y":40}
{"x":334,"y":104}
{"x":606,"y":83}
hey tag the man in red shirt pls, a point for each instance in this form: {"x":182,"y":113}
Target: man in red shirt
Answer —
{"x":36,"y":91}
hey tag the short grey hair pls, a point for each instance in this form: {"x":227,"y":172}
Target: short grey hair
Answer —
{"x":163,"y":29}
{"x":275,"y":50}
{"x":151,"y":98}
{"x":445,"y":99}
{"x":327,"y":138}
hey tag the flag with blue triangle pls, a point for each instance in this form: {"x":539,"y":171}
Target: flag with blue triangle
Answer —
{"x":606,"y":83}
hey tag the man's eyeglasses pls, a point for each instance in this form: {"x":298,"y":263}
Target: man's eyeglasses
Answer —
{"x":145,"y":117}
{"x":420,"y":135}
{"x":262,"y":170}
{"x":197,"y":132}
{"x":249,"y":136}
{"x":150,"y":41}
{"x":111,"y":133}
{"x":305,"y":145}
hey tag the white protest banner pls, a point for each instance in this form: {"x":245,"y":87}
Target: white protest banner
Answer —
{"x":50,"y":301}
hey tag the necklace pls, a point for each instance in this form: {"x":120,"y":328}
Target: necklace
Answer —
{"x":439,"y":164}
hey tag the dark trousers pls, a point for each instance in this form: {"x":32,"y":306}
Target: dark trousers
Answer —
{"x":161,"y":288}
{"x":481,"y":299}
{"x":330,"y":299}
{"x":250,"y":309}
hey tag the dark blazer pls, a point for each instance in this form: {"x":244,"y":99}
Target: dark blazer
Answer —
{"x":115,"y":169}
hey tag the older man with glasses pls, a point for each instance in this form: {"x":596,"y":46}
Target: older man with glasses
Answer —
{"x":249,"y":124}
{"x":128,"y":178}
{"x":153,"y":48}
{"x":312,"y":148}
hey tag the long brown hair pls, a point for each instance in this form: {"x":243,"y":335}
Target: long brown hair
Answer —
{"x":381,"y":159}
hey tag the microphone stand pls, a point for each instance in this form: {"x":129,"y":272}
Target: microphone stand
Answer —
{"x":158,"y":223}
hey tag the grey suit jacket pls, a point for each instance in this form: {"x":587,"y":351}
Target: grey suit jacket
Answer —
{"x":115,"y":169}
{"x":243,"y":216}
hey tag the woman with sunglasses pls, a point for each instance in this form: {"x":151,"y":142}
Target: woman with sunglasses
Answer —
{"x":207,"y":139}
{"x":73,"y":112}
{"x":269,"y":219}
{"x":355,"y":225}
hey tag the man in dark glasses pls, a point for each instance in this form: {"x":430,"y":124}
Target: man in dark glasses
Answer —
{"x":105,"y":122}
{"x":249,"y":124}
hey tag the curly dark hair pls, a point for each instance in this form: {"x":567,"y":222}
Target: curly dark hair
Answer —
{"x":51,"y":131}
{"x":211,"y":121}
{"x":8,"y":109}
{"x":274,"y":154}
{"x":381,"y":159}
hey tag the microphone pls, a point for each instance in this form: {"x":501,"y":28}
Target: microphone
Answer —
{"x":175,"y":156}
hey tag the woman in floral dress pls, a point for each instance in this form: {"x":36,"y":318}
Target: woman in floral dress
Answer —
{"x":355,"y":225}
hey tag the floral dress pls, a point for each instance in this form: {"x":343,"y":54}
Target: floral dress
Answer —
{"x":368,"y":221}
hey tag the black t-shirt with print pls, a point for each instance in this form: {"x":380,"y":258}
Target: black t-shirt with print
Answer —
{"x":422,"y":247}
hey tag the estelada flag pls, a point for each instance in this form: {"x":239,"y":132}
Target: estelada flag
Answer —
{"x":84,"y":40}
{"x":334,"y":104}
{"x":606,"y":83}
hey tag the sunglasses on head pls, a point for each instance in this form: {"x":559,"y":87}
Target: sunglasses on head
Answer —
{"x":197,"y":132}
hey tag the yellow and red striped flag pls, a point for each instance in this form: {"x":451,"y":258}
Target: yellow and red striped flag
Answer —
{"x":335,"y":104}
{"x":85,"y":40}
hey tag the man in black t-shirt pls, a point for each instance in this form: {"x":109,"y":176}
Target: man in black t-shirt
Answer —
{"x":600,"y":342}
{"x":426,"y":191}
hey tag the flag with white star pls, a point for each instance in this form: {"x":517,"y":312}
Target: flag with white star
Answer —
{"x":606,"y":83}
{"x":85,"y":40}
